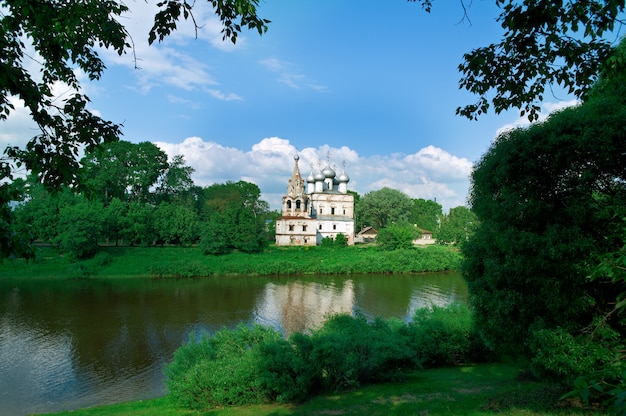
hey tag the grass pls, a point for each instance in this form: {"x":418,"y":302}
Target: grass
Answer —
{"x":478,"y":390}
{"x":119,"y":262}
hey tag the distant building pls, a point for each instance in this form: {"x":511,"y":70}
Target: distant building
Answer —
{"x":425,"y":238}
{"x":316,"y":208}
{"x":366,"y":235}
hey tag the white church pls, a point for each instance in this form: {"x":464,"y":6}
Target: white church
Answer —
{"x":316,"y":208}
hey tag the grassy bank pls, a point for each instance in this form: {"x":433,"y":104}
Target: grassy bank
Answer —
{"x":469,"y":390}
{"x":116,"y":262}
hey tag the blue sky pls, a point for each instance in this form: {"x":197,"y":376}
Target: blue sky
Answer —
{"x":369,"y":84}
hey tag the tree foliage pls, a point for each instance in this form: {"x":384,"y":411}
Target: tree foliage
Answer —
{"x":551,"y":203}
{"x":235,"y":218}
{"x":126,"y":170}
{"x":65,"y":36}
{"x":545,"y":43}
{"x":426,"y":214}
{"x":397,"y":236}
{"x":457,"y":226}
{"x":381,"y":208}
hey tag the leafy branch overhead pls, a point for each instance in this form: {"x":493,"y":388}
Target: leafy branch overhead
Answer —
{"x":233,"y":14}
{"x":545,"y":43}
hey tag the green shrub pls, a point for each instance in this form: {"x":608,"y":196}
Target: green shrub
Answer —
{"x":284,"y":370}
{"x":348,"y":351}
{"x":221,"y":370}
{"x":444,"y":336}
{"x":562,"y":356}
{"x":256,"y":364}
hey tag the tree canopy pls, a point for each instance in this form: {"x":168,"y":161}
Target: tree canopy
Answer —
{"x":383,"y":207}
{"x":545,"y":265}
{"x":545,"y":43}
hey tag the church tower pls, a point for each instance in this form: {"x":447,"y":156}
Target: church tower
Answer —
{"x":317,"y":208}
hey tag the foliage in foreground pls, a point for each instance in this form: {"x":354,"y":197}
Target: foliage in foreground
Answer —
{"x":546,"y":266}
{"x":256,"y":364}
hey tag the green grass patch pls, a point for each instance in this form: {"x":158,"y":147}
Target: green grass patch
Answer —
{"x":119,"y":262}
{"x":481,"y":390}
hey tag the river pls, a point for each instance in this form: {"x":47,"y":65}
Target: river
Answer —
{"x":78,"y":343}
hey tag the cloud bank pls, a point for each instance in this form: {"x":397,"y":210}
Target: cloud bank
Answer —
{"x":429,"y":173}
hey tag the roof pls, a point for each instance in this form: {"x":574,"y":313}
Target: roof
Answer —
{"x":368,"y":230}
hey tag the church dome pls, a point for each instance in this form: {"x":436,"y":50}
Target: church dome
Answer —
{"x":328,"y":172}
{"x":344,"y":177}
{"x":310,"y":178}
{"x":319,"y":176}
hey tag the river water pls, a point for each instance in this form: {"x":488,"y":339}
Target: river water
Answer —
{"x":78,"y":343}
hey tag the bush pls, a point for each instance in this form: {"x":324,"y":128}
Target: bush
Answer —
{"x":256,"y":364}
{"x":562,"y":356}
{"x":349,"y":351}
{"x":445,"y":336}
{"x":284,"y":369}
{"x":221,"y":370}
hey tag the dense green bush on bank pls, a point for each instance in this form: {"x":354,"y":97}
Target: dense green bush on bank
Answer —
{"x":256,"y":364}
{"x":190,"y":262}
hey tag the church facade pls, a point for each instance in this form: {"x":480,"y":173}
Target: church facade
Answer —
{"x":315,"y":208}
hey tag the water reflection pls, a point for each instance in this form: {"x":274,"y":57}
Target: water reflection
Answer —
{"x":71,"y":344}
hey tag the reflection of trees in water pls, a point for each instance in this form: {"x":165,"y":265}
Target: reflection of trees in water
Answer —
{"x":113,"y":337}
{"x":118,"y":329}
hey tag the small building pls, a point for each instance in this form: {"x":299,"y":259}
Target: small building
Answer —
{"x":425,"y":239}
{"x":314,"y":209}
{"x":366,"y":235}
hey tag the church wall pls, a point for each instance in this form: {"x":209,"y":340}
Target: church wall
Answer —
{"x":295,"y":231}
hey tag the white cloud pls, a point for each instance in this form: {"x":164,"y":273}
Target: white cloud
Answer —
{"x":547,"y":109}
{"x":290,"y":77}
{"x":430,"y":173}
{"x":164,"y":63}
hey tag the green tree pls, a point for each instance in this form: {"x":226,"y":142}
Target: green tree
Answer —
{"x":123,"y":170}
{"x":551,"y":202}
{"x":39,"y":211}
{"x":545,"y":43}
{"x":383,"y":208}
{"x":67,"y":35}
{"x":114,"y":220}
{"x":215,"y":236}
{"x":175,"y":183}
{"x":457,"y":227}
{"x":176,"y":224}
{"x":139,"y":228}
{"x":397,"y":236}
{"x":235,"y":217}
{"x":80,"y":226}
{"x":426,"y":214}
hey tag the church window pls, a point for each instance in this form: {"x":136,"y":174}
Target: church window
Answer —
{"x":320,"y":210}
{"x":334,"y":226}
{"x":304,"y":228}
{"x":320,"y":226}
{"x":332,"y":211}
{"x":289,"y":204}
{"x":298,"y":204}
{"x":290,"y":227}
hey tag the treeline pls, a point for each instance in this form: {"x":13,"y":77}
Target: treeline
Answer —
{"x":131,"y":195}
{"x":399,"y":219}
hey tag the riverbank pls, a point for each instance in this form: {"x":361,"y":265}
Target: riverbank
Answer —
{"x":478,"y":390}
{"x":159,"y":262}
